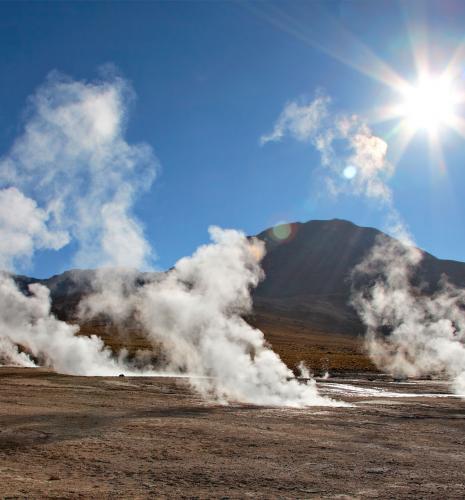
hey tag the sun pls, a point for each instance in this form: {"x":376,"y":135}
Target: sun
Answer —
{"x":431,"y":106}
{"x":428,"y":105}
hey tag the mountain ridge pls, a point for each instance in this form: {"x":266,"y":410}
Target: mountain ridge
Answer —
{"x":308,"y":272}
{"x":307,"y":275}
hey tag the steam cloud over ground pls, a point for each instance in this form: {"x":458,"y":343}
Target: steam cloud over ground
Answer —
{"x":71,"y":176}
{"x":408,"y":333}
{"x":195,"y":312}
{"x":426,"y":334}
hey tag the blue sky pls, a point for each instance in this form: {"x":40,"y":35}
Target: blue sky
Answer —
{"x":211,"y":78}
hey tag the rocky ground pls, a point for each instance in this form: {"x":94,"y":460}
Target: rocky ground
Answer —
{"x":77,"y":437}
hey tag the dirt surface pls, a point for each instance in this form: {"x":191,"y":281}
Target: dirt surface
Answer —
{"x":321,"y":351}
{"x":293,"y":340}
{"x":77,"y":437}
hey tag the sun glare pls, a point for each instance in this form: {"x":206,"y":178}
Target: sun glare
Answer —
{"x":431,"y":106}
{"x":428,"y":105}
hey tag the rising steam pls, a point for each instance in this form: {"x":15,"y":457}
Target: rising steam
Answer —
{"x":195,"y":312}
{"x":76,"y":175}
{"x":71,"y":176}
{"x":410,"y":333}
{"x":26,"y":321}
{"x":353,"y":157}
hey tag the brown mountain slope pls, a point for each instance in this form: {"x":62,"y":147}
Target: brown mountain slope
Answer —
{"x":308,"y":273}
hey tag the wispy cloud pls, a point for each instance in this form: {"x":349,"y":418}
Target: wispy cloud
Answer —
{"x":301,"y":121}
{"x":354,"y":158}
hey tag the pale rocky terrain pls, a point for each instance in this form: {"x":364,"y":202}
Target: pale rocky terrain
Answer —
{"x":78,"y":437}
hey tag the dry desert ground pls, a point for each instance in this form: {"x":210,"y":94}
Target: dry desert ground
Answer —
{"x":89,"y":437}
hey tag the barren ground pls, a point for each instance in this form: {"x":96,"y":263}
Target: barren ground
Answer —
{"x":77,"y":437}
{"x":293,"y":340}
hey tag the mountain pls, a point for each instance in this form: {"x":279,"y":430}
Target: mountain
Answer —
{"x":307,"y":268}
{"x":68,"y":288}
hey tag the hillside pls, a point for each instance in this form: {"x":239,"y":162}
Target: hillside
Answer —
{"x":308,"y":273}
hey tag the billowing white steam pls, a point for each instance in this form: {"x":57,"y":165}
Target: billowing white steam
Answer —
{"x":78,"y":174}
{"x":26,"y":320}
{"x":23,"y":227}
{"x":195,"y":313}
{"x":409,"y":333}
{"x":72,"y":176}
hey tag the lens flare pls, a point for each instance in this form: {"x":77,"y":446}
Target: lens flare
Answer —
{"x":257,"y":249}
{"x":283,"y":232}
{"x":349,"y":172}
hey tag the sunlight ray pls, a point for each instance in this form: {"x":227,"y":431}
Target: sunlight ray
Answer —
{"x":437,"y":154}
{"x":457,"y":60}
{"x":381,"y":114}
{"x":457,"y":123}
{"x":414,"y":18}
{"x":344,"y":47}
{"x":427,"y":101}
{"x":399,"y":138}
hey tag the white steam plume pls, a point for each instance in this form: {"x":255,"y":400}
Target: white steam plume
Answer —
{"x":26,"y":321}
{"x":301,"y":121}
{"x":73,"y":161}
{"x":409,"y":332}
{"x":195,"y":313}
{"x":23,"y":229}
{"x":78,"y":177}
{"x":69,"y":175}
{"x":11,"y":355}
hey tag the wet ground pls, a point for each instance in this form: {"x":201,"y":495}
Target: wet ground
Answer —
{"x":77,"y":437}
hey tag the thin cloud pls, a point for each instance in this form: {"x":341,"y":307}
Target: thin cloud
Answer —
{"x":299,"y":121}
{"x":346,"y":145}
